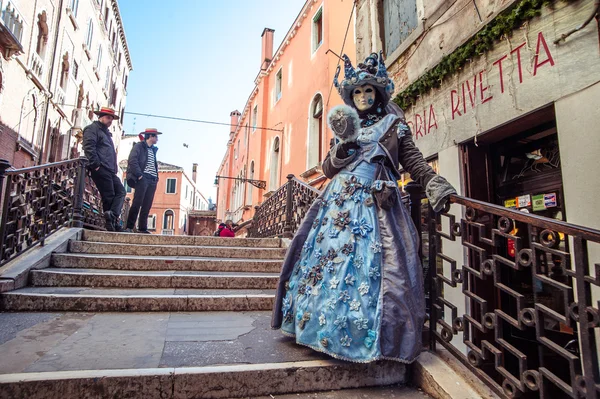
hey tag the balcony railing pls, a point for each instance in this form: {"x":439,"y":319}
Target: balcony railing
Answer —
{"x":38,"y":201}
{"x":516,"y":297}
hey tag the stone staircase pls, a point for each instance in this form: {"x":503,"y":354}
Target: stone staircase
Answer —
{"x":108,"y":272}
{"x":148,"y":316}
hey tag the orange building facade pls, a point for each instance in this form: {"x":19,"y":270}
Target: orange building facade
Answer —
{"x":283,"y":129}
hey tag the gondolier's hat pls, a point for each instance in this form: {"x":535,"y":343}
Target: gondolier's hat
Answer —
{"x":143,"y":134}
{"x":106,"y":111}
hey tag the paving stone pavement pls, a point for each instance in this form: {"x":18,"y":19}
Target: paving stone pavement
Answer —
{"x":39,"y":342}
{"x":397,"y":392}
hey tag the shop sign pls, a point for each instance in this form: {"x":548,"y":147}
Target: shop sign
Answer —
{"x":510,"y":203}
{"x":524,"y":201}
{"x":550,"y":200}
{"x":538,"y":203}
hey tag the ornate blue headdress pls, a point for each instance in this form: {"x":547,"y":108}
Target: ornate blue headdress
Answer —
{"x":372,"y":72}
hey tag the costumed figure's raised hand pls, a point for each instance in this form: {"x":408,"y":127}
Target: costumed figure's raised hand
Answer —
{"x":345,"y":123}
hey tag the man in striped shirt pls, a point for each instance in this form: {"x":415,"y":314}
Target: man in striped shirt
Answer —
{"x":142,"y":174}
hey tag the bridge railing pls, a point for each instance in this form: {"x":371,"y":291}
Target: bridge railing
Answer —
{"x":38,"y":201}
{"x":516,"y":298}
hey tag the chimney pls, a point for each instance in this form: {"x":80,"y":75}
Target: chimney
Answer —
{"x":194,"y":172}
{"x":235,"y":120}
{"x":267,"y":48}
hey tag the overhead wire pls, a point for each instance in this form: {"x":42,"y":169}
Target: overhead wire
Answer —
{"x":182,"y":119}
{"x":342,"y":50}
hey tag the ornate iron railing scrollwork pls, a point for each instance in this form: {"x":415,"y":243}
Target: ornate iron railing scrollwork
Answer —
{"x":531,"y":320}
{"x":38,"y":201}
{"x":281,"y":213}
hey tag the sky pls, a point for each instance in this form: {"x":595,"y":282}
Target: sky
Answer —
{"x":196,"y":59}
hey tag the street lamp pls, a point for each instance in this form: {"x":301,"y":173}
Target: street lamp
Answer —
{"x":256,"y":183}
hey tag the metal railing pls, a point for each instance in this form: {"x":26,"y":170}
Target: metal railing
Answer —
{"x":281,"y":214}
{"x":516,"y":298}
{"x":38,"y":201}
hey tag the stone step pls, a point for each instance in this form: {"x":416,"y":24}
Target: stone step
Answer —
{"x":175,"y":250}
{"x":52,"y":277}
{"x":124,"y":262}
{"x":215,"y":382}
{"x":156,"y":239}
{"x":83,"y":299}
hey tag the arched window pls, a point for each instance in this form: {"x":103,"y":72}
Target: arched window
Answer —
{"x":169,"y":220}
{"x":274,"y":177}
{"x":315,"y":132}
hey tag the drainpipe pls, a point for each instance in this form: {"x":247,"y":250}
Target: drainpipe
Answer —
{"x":45,"y":121}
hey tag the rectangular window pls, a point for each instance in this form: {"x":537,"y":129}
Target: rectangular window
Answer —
{"x":74,"y":4}
{"x":152,"y":222}
{"x":317,"y":30}
{"x":254,"y":117}
{"x":186,"y":192}
{"x":171,"y":186}
{"x":400,"y":20}
{"x":99,"y":60}
{"x":278,"y":84}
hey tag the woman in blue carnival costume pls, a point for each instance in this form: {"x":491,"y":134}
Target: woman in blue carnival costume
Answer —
{"x":351,"y":284}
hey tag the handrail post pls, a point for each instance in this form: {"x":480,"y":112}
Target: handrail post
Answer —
{"x":289,"y":212}
{"x":414,"y":191}
{"x":4,"y":165}
{"x":78,"y":216}
{"x":432,"y":276}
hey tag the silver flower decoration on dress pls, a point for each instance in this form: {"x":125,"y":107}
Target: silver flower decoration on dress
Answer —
{"x":363,"y":288}
{"x":358,"y":261}
{"x":322,"y":320}
{"x":345,"y":340}
{"x":361,"y":323}
{"x":354,"y":305}
{"x":341,"y":322}
{"x":350,"y":279}
{"x":374,"y":273}
{"x":344,"y":296}
{"x":376,"y":247}
{"x":333,"y":283}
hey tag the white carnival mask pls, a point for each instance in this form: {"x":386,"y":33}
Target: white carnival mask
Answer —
{"x":363,"y":97}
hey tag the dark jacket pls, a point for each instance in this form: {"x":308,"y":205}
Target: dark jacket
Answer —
{"x":99,"y":148}
{"x":138,"y":157}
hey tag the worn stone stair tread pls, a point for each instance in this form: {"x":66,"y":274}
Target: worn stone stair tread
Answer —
{"x":226,"y":381}
{"x":136,"y":292}
{"x":175,"y":250}
{"x":58,"y":277}
{"x":112,"y":237}
{"x":157,"y":273}
{"x":135,"y":262}
{"x":165,"y":258}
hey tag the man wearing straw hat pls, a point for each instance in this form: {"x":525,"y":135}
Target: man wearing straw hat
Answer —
{"x":142,"y":174}
{"x":100,"y":151}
